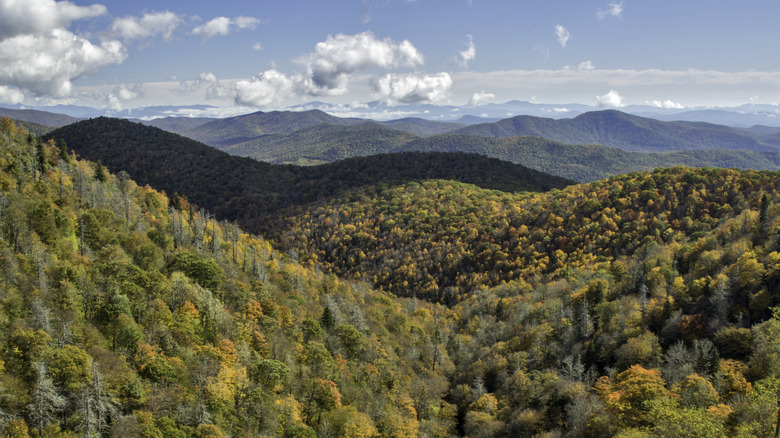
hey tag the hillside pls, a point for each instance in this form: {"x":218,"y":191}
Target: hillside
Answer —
{"x":591,"y":162}
{"x":443,"y":240}
{"x":246,"y":190}
{"x":422,"y":127}
{"x":38,"y":117}
{"x":177,"y":125}
{"x":323,"y":144}
{"x":584,"y":163}
{"x":641,"y":305}
{"x":624,"y":131}
{"x":225,"y":132}
{"x":125,"y":313}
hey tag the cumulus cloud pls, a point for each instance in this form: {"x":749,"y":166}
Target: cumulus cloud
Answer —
{"x":613,"y":10}
{"x":267,"y":88}
{"x":147,"y":26}
{"x":209,"y":83}
{"x":411,"y":88}
{"x":257,"y":46}
{"x":224,"y":26}
{"x":336,"y":58}
{"x":469,"y":54}
{"x":610,"y":100}
{"x":668,"y":104}
{"x":562,"y":34}
{"x":585,"y":65}
{"x":40,"y":55}
{"x":31,"y":17}
{"x":10,"y":95}
{"x":116,"y":98}
{"x":481,"y":98}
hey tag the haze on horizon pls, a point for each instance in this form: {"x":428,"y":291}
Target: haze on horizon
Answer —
{"x":239,"y":57}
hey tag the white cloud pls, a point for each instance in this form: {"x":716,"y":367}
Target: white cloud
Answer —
{"x":10,"y":95}
{"x":481,"y":98}
{"x":46,"y":63}
{"x":257,"y":46}
{"x":30,"y":17}
{"x":117,"y":98}
{"x":562,"y":34}
{"x":585,"y":65}
{"x":668,"y":104}
{"x":410,"y":88}
{"x":267,"y":88}
{"x":40,"y":55}
{"x":469,"y":54}
{"x":610,"y":100}
{"x":209,"y":83}
{"x":613,"y":10}
{"x":224,"y":26}
{"x":336,"y":58}
{"x":582,"y":66}
{"x":149,"y":25}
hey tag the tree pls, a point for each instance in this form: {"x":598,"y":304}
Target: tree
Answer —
{"x":100,"y":173}
{"x":96,"y":406}
{"x":45,"y":400}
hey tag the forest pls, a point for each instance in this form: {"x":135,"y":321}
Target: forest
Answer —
{"x":635,"y":306}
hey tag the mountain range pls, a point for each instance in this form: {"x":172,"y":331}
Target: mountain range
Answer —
{"x":314,"y":137}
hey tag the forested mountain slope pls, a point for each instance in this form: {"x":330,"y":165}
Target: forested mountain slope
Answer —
{"x":126,"y":313}
{"x":443,"y":240}
{"x":249,"y":191}
{"x":122,"y":315}
{"x":225,"y":132}
{"x":580,"y":162}
{"x":625,"y":131}
{"x":323,"y":143}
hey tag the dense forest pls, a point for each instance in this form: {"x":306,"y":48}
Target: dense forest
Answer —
{"x":636,"y":306}
{"x":250,"y":192}
{"x":627,"y":131}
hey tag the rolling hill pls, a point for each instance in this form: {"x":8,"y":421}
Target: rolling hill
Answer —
{"x":249,"y":191}
{"x":225,"y":132}
{"x":323,"y":143}
{"x":624,"y":131}
{"x":639,"y":305}
{"x":40,"y":117}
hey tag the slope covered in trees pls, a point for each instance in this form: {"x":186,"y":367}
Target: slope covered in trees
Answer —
{"x":617,"y":129}
{"x":225,"y":132}
{"x":323,"y":144}
{"x":126,"y":313}
{"x":248,"y":191}
{"x":580,"y":162}
{"x":443,"y":240}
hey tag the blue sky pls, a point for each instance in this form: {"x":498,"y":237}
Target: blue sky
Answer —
{"x":241,"y":56}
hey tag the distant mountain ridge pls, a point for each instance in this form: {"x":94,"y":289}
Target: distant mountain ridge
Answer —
{"x":225,"y":132}
{"x":40,"y":117}
{"x":626,"y":131}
